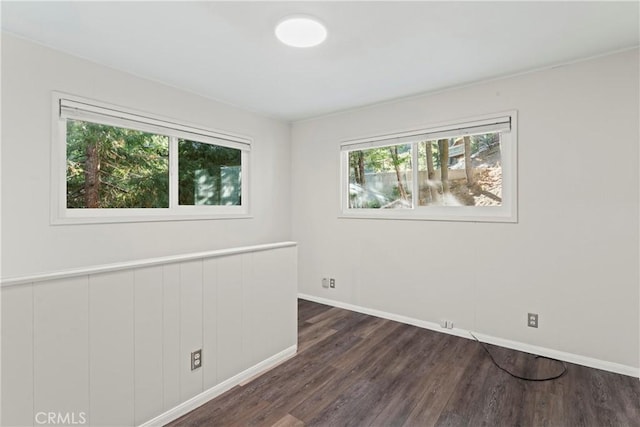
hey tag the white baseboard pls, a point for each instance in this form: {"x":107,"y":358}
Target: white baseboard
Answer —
{"x":514,"y":345}
{"x":213,"y":392}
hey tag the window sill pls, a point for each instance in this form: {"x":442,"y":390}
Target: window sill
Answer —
{"x":160,"y":217}
{"x":412,"y":215}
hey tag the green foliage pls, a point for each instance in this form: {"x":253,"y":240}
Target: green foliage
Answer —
{"x":478,"y":143}
{"x":422,"y":163}
{"x":483,"y":142}
{"x":133,"y":166}
{"x":208,"y":174}
{"x":370,"y":169}
{"x":132,"y":169}
{"x":376,"y":161}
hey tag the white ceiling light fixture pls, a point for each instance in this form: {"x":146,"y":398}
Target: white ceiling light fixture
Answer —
{"x":301,"y":31}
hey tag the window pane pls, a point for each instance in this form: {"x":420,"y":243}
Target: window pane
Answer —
{"x":472,"y":175}
{"x":380,"y":177}
{"x":112,"y":167}
{"x":208,"y":174}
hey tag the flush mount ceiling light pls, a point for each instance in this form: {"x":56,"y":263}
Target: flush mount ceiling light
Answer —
{"x":301,"y":31}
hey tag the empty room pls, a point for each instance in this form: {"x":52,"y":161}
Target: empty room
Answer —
{"x":320,"y":213}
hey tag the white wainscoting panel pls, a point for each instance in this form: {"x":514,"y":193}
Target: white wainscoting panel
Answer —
{"x":249,"y":315}
{"x":112,"y":347}
{"x":229,"y":356}
{"x":270,"y":274}
{"x":148,"y":342}
{"x":17,"y":356}
{"x":210,"y":323}
{"x":60,"y":347}
{"x":171,"y":336}
{"x":190,"y":327}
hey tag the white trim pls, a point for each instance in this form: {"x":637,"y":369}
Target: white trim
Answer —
{"x":420,"y":129}
{"x":514,"y":345}
{"x":561,"y":355}
{"x":173,"y":173}
{"x":71,"y":106}
{"x":213,"y":392}
{"x":97,"y":269}
{"x":74,"y":107}
{"x":454,"y":128}
{"x":434,"y":213}
{"x":180,"y":213}
{"x":506,"y":213}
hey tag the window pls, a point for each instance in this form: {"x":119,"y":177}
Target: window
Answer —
{"x":457,"y":171}
{"x":112,"y":164}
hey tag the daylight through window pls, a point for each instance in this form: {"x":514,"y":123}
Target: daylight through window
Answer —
{"x":113,"y":167}
{"x":123,"y":165}
{"x":462,"y":171}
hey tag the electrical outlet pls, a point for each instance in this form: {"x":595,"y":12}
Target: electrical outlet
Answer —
{"x":332,"y":283}
{"x":532,"y":321}
{"x":447,"y":324}
{"x":196,"y":359}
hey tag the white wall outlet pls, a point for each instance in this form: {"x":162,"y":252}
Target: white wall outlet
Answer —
{"x":447,"y":324}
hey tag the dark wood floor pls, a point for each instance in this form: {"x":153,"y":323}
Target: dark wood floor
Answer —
{"x":357,"y":370}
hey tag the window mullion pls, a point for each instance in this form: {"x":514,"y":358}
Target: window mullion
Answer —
{"x":415,"y":186}
{"x":173,"y":172}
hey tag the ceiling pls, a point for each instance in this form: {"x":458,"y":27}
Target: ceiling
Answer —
{"x":375,"y":51}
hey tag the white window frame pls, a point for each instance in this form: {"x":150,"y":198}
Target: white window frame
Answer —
{"x":66,"y":106}
{"x":507,"y":212}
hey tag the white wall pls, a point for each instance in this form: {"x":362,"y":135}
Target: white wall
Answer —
{"x":573,"y":255}
{"x":31,"y":245}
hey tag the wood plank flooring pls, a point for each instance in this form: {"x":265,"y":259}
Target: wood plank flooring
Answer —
{"x":357,"y":370}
